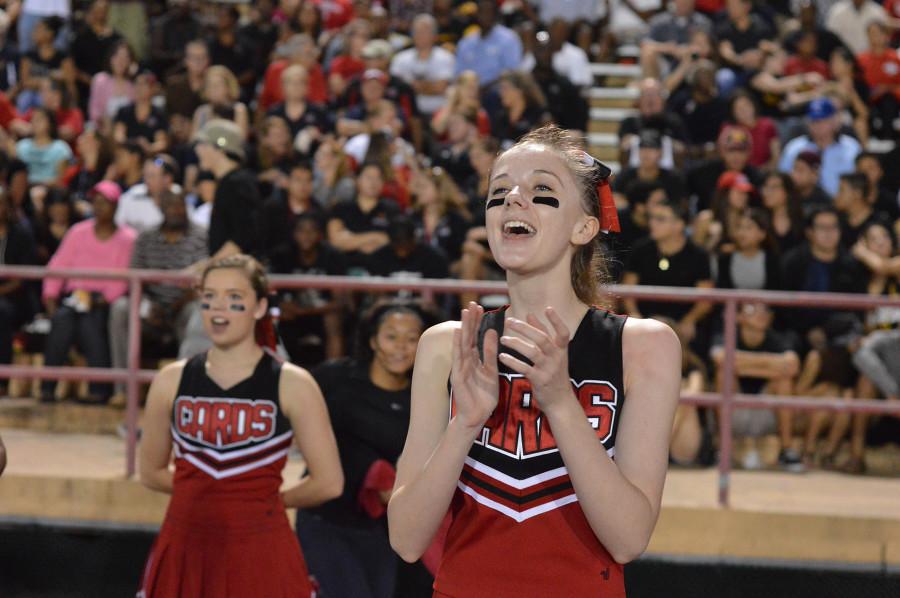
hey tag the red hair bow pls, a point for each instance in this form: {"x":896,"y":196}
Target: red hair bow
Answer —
{"x":609,"y":215}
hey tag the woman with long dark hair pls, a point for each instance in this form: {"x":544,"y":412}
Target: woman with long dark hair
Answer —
{"x":779,"y":198}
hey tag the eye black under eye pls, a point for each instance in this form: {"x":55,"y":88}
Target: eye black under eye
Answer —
{"x":547,"y":201}
{"x":495,"y":203}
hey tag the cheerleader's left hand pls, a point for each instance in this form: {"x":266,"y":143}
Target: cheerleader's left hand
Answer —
{"x":548,"y":351}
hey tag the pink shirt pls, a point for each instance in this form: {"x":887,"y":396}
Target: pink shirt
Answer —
{"x":80,"y":248}
{"x":104,"y":103}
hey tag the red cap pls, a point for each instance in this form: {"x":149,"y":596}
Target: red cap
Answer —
{"x":735,"y":180}
{"x":108,"y":189}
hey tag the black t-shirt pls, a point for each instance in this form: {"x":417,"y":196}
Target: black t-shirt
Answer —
{"x":236,"y":213}
{"x":313,"y":116}
{"x":564,"y":100}
{"x":369,"y":423}
{"x":357,"y":221}
{"x":424,"y":262}
{"x":672,"y":182}
{"x":703,"y":120}
{"x":448,"y":236}
{"x":91,"y":51}
{"x":683,"y":269}
{"x":278,"y":224}
{"x":147,"y":128}
{"x":42,"y":67}
{"x":328,"y":261}
{"x":508,"y":131}
{"x":826,"y":42}
{"x":668,"y":123}
{"x":744,"y":40}
{"x":703,"y":179}
{"x":772,"y":343}
{"x":456,"y":164}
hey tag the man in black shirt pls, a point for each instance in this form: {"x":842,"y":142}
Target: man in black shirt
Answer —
{"x":743,"y":36}
{"x":805,"y":175}
{"x":405,"y":257}
{"x":852,"y":201}
{"x":734,"y":146}
{"x":648,"y":170}
{"x":234,"y":225}
{"x":668,"y":258}
{"x":564,"y":99}
{"x":281,"y":211}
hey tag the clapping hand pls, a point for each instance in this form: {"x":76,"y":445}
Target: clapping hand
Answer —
{"x":474,"y":379}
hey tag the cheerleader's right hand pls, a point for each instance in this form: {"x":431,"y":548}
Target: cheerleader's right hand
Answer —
{"x":474,"y":381}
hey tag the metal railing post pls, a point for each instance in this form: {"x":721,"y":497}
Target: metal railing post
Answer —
{"x":134,"y":365}
{"x":725,"y":432}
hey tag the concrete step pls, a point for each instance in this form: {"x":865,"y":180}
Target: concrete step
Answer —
{"x":32,"y":415}
{"x":609,"y":69}
{"x":603,"y":126}
{"x":611,"y":114}
{"x":603,"y":139}
{"x":613,"y":93}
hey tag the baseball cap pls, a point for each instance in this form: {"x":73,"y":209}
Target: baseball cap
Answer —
{"x":820,"y":108}
{"x":735,"y":139}
{"x":377,"y":48}
{"x":108,"y":189}
{"x":223,"y":135}
{"x":735,"y":180}
{"x":375,"y":75}
{"x":650,"y":138}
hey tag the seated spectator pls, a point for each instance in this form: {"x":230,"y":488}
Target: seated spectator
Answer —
{"x":113,"y":87}
{"x":700,"y":107}
{"x":91,"y":45}
{"x":668,"y":39}
{"x":140,"y":207}
{"x":52,"y":221}
{"x":377,"y":55}
{"x":55,"y":98}
{"x":669,"y":258}
{"x":45,"y":61}
{"x":94,"y":153}
{"x":358,"y":228}
{"x":808,"y":17}
{"x":17,"y":304}
{"x":780,"y":93}
{"x":837,"y":151}
{"x":235,"y":221}
{"x":754,"y":262}
{"x":785,"y":214}
{"x":851,"y":89}
{"x":282,"y":209}
{"x":45,"y":155}
{"x":735,"y":146}
{"x":453,"y":155}
{"x":649,"y":171}
{"x":141,"y":121}
{"x":565,"y":101}
{"x":439,"y":213}
{"x":172,"y":32}
{"x":880,"y":66}
{"x":349,"y":64}
{"x":804,"y":58}
{"x":523,"y":107}
{"x":462,"y":97}
{"x":565,"y":59}
{"x":849,"y":19}
{"x":128,"y":164}
{"x":274,"y":155}
{"x":852,"y":203}
{"x":405,"y":256}
{"x":296,"y":109}
{"x":766,"y":146}
{"x":222,"y":93}
{"x":200,"y":202}
{"x":763,"y":364}
{"x":166,"y":310}
{"x":626,"y":20}
{"x":233,"y":53}
{"x":428,"y":68}
{"x":310,"y":320}
{"x":79,"y":308}
{"x":714,"y":229}
{"x":333,"y":180}
{"x":184,"y":91}
{"x":491,"y":49}
{"x":805,"y":177}
{"x":743,"y":37}
{"x":477,"y":262}
{"x":372,"y":99}
{"x":299,"y":49}
{"x":634,"y":221}
{"x":880,"y":195}
{"x":651,"y":112}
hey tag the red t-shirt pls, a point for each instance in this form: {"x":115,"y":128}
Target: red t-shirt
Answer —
{"x":797,"y":65}
{"x":7,"y":111}
{"x":335,"y":13}
{"x":71,"y":117}
{"x":347,"y":67}
{"x":881,"y":69}
{"x":272,"y":94}
{"x":761,"y":134}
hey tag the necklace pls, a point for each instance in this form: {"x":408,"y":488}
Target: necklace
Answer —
{"x":663,"y":263}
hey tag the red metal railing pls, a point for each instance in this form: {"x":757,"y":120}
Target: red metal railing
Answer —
{"x":726,"y":401}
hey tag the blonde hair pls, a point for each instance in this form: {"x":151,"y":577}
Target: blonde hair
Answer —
{"x":231,"y":82}
{"x":450,"y":198}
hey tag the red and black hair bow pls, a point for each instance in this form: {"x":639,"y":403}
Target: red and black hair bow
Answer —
{"x":609,"y":215}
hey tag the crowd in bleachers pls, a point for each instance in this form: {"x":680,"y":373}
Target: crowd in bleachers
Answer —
{"x":357,"y":137}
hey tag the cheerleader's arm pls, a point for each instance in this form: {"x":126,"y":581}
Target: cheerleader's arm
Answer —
{"x":156,"y":439}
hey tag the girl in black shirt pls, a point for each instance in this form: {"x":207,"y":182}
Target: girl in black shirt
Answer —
{"x":780,"y":199}
{"x":368,"y":396}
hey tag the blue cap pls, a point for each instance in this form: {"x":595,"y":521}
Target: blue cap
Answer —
{"x":820,"y":108}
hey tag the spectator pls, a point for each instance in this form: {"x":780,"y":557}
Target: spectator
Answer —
{"x":440,"y":214}
{"x":310,"y":320}
{"x":743,"y":37}
{"x":141,"y":121}
{"x":234,"y":225}
{"x":453,"y":156}
{"x":669,"y":37}
{"x":701,"y":107}
{"x":805,"y":58}
{"x":128,"y":164}
{"x":765,"y":144}
{"x":222,"y":92}
{"x":226,"y":49}
{"x":491,"y":50}
{"x":299,"y":49}
{"x":523,"y":107}
{"x":333,"y":181}
{"x":112,"y":88}
{"x":565,"y":59}
{"x":779,"y":92}
{"x":880,"y":195}
{"x":184,"y":91}
{"x":668,"y":258}
{"x":259,"y":33}
{"x":652,"y":114}
{"x":565,"y":101}
{"x":838,"y":151}
{"x":406,"y":256}
{"x":368,"y":399}
{"x":274,"y":156}
{"x":282,"y":209}
{"x":17,"y":305}
{"x":754,"y":263}
{"x":79,"y":309}
{"x":44,"y":153}
{"x":808,"y":16}
{"x":171,"y":35}
{"x":428,"y":68}
{"x":55,"y":98}
{"x":848,"y":84}
{"x":300,"y":114}
{"x":785,"y":213}
{"x":805,"y":177}
{"x":33,"y":12}
{"x":200,"y":203}
{"x":462,"y":96}
{"x":372,"y":100}
{"x":95,"y":154}
{"x":713,"y":229}
{"x":140,"y":207}
{"x":91,"y":45}
{"x":849,"y":19}
{"x":735,"y":146}
{"x":881,"y":69}
{"x":649,"y":171}
{"x":377,"y":55}
{"x":359,"y":228}
{"x":876,"y":249}
{"x":852,"y":202}
{"x":166,"y":309}
{"x":54,"y":219}
{"x":45,"y":61}
{"x":763,"y":365}
{"x":349,"y":64}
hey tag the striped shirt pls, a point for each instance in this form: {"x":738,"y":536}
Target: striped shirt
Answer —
{"x":153,"y":251}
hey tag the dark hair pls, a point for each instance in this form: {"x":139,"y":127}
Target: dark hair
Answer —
{"x":297,"y":27}
{"x":794,"y":206}
{"x":133,"y":147}
{"x":371,"y":322}
{"x":589,"y":265}
{"x":168,"y":164}
{"x":857,"y":181}
{"x":312,"y":217}
{"x":301,"y":165}
{"x":639,"y":191}
{"x":818,"y":211}
{"x":866,"y":154}
{"x":51,"y":121}
{"x":372,"y":164}
{"x":53,"y":23}
{"x":881,"y":224}
{"x":738,"y":94}
{"x":760,"y":218}
{"x":678,"y":209}
{"x":112,"y":52}
{"x":379,"y":153}
{"x":65,"y":98}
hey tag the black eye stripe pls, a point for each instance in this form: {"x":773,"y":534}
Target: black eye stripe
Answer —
{"x":494,"y":203}
{"x":547,"y":201}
